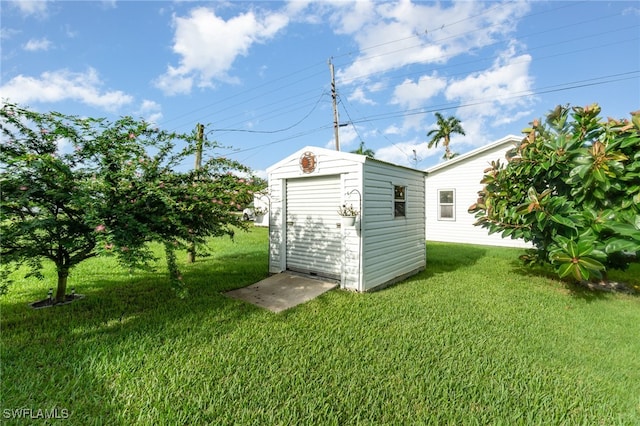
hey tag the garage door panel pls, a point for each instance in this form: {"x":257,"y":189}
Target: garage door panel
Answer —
{"x":313,"y":239}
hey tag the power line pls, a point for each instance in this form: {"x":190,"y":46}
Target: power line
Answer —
{"x":449,"y":106}
{"x":441,"y":57}
{"x":284,"y":129}
{"x":545,"y":90}
{"x":300,"y":71}
{"x":304,"y":72}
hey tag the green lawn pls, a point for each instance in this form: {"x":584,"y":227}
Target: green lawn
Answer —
{"x":474,"y":339}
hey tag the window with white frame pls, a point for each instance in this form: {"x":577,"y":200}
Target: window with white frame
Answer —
{"x":446,"y":204}
{"x":399,"y":201}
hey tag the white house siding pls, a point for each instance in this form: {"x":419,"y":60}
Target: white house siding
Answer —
{"x":463,"y":176}
{"x":395,"y":246}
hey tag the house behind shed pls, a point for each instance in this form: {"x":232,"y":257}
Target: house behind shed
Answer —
{"x":306,"y":234}
{"x":452,"y":186}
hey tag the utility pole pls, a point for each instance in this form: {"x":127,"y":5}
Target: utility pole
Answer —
{"x":200,"y":138}
{"x":191,"y":252}
{"x":334,"y":97}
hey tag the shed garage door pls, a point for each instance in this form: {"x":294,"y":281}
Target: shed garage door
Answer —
{"x":313,"y":235}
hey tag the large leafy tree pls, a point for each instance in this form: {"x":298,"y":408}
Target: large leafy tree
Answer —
{"x":74,"y":188}
{"x":442,"y":133}
{"x":572,"y":188}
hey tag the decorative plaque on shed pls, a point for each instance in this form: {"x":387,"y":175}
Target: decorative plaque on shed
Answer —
{"x":308,"y":162}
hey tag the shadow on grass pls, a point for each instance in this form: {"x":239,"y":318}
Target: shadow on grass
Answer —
{"x":577,"y":290}
{"x":444,"y":257}
{"x":44,"y":352}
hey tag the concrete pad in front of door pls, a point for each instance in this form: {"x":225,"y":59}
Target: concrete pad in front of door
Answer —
{"x":282,"y":291}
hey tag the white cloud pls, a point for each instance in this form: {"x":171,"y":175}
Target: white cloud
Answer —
{"x":8,"y":33}
{"x":61,"y":85}
{"x":37,"y":8}
{"x":38,"y":44}
{"x":348,"y":137}
{"x":151,"y":111}
{"x":208,"y":46}
{"x":358,"y":95}
{"x":497,"y":91}
{"x":353,"y":16}
{"x":261,"y":173}
{"x":109,"y":4}
{"x":414,"y":94}
{"x":64,"y":146}
{"x":390,"y":36}
{"x":392,"y":130}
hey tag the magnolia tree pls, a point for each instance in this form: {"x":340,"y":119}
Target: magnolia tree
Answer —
{"x":572,"y":188}
{"x":74,"y":188}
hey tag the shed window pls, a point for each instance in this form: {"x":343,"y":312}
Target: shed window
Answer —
{"x":399,"y":201}
{"x":446,"y":204}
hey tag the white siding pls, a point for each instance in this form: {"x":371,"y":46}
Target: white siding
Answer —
{"x":314,"y":236}
{"x":351,"y":235}
{"x":330,"y":163}
{"x":394,"y":246}
{"x":463,"y":177}
{"x":378,"y":249}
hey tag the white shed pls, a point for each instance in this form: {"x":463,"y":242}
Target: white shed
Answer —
{"x":452,"y":186}
{"x":306,"y":234}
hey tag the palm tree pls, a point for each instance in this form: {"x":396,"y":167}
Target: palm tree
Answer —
{"x":446,"y":127}
{"x":362,"y":151}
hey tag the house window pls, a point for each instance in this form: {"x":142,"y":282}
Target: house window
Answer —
{"x":446,"y":204}
{"x":399,"y":201}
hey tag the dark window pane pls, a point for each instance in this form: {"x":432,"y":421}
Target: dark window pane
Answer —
{"x":446,"y":197}
{"x":399,"y":209}
{"x":446,"y":212}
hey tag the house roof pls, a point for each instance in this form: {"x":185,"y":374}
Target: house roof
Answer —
{"x":342,"y":154}
{"x":507,"y":140}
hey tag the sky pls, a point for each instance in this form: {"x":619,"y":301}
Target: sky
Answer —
{"x":257,"y":74}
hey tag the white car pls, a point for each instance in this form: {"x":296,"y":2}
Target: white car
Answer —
{"x":248,"y":213}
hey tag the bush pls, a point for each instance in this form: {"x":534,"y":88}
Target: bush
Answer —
{"x":572,"y":188}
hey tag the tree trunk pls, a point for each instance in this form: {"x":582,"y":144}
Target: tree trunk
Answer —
{"x":191,"y":253}
{"x":63,"y":274}
{"x":447,"y":151}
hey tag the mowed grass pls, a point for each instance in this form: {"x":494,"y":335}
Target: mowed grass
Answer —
{"x":474,"y":339}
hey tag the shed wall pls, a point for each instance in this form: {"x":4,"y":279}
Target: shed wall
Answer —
{"x":393,"y":246}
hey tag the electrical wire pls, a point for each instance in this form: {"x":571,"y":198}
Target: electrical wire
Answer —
{"x":305,"y":76}
{"x":287,"y":77}
{"x":284,"y":129}
{"x":449,"y":106}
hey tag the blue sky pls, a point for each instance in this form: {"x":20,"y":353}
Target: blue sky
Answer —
{"x":257,"y":75}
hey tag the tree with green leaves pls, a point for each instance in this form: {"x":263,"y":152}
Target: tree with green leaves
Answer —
{"x":442,"y":133}
{"x":572,"y":188}
{"x":364,"y":151}
{"x":74,"y":188}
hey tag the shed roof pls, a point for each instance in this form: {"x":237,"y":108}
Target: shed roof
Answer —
{"x":507,"y":140}
{"x":357,"y":158}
